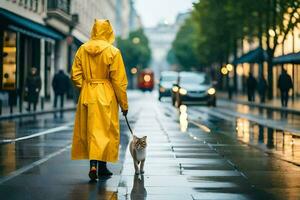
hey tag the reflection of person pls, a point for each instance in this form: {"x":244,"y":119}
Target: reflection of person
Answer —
{"x":262,"y":88}
{"x":98,"y":71}
{"x":60,"y":84}
{"x":251,"y":86}
{"x":284,"y":84}
{"x":32,"y":87}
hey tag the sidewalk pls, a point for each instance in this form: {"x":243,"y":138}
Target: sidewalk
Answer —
{"x":48,"y":108}
{"x":190,"y":165}
{"x":179,"y":166}
{"x":274,"y":104}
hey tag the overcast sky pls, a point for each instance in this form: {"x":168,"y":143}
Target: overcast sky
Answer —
{"x":154,"y":11}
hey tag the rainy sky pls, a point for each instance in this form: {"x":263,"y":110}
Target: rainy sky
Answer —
{"x":154,"y":11}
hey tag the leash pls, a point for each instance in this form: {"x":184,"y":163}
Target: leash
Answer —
{"x":128,"y":125}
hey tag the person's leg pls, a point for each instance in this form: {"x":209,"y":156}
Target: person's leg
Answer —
{"x":282,"y":98}
{"x":102,"y":169}
{"x":286,"y":98}
{"x":263,"y":98}
{"x":249,"y":95}
{"x":93,"y":170}
{"x":55,"y":101}
{"x":61,"y":101}
{"x":29,"y":106}
{"x":34,"y":106}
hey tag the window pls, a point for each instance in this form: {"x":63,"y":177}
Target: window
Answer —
{"x":9,"y":60}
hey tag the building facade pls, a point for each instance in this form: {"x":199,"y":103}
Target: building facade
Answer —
{"x":160,"y":41}
{"x":46,"y":34}
{"x":289,"y":48}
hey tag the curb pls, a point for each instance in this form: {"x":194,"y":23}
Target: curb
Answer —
{"x":262,"y":105}
{"x":3,"y":117}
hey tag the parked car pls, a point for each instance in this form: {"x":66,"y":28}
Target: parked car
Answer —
{"x":146,"y":80}
{"x":166,"y":81}
{"x":193,"y":88}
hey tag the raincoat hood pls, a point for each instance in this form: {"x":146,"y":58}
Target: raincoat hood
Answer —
{"x":102,"y":36}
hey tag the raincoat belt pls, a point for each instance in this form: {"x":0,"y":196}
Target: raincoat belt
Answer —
{"x":97,"y":81}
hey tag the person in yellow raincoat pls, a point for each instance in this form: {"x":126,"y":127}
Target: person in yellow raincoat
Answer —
{"x":98,"y":71}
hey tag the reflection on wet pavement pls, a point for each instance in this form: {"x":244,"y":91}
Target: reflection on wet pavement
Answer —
{"x":253,"y":163}
{"x":138,"y":191}
{"x":212,"y":157}
{"x":183,"y":118}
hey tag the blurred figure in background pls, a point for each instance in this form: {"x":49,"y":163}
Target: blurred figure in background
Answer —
{"x":230,"y":86}
{"x":251,"y":87}
{"x":262,"y":89}
{"x":60,"y":84}
{"x":284,"y":84}
{"x":32,"y":88}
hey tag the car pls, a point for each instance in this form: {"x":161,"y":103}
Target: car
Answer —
{"x":146,"y":80}
{"x":166,"y":81}
{"x":193,"y":88}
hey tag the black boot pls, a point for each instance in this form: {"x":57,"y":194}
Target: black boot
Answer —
{"x":93,"y":170}
{"x":102,"y":169}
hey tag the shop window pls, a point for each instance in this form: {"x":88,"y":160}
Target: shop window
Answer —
{"x":9,"y":61}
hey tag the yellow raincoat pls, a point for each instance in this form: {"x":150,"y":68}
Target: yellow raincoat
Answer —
{"x":98,"y":71}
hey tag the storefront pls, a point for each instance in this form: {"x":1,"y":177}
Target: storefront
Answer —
{"x":290,"y":62}
{"x":25,"y":44}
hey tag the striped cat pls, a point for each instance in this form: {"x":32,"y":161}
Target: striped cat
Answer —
{"x":138,"y":153}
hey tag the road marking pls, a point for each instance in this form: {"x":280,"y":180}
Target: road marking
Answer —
{"x":32,"y":165}
{"x":52,"y":130}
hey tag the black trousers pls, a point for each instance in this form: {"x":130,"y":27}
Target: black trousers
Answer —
{"x":284,"y":97}
{"x":29,"y":105}
{"x":262,"y":98}
{"x":61,"y":96}
{"x":251,"y":95}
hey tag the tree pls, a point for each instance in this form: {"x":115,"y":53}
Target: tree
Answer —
{"x":222,"y":25}
{"x":135,"y":49}
{"x":184,"y":47}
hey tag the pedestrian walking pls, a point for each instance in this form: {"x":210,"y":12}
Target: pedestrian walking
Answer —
{"x":251,"y":87}
{"x":285,"y":83}
{"x":60,"y":84}
{"x":230,"y":87}
{"x":98,"y":71}
{"x":262,"y":89}
{"x":32,"y":88}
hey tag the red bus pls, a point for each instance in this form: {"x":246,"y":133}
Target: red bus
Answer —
{"x":146,"y":80}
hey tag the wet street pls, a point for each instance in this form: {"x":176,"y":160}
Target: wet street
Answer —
{"x":229,"y":152}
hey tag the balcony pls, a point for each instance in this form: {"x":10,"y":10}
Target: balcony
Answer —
{"x":59,"y":15}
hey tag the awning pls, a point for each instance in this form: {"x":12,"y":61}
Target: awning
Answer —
{"x":27,"y":26}
{"x":257,"y":55}
{"x":291,"y":58}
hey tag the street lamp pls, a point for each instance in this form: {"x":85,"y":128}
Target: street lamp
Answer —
{"x":136,"y":40}
{"x":224,"y":71}
{"x":272,"y":33}
{"x":133,"y":70}
{"x":229,"y":67}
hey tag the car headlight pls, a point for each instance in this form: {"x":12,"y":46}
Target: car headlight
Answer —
{"x":182,"y":91}
{"x":211,"y":91}
{"x":175,"y":89}
{"x":162,"y":89}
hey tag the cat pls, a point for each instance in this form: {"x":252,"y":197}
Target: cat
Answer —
{"x":138,"y":153}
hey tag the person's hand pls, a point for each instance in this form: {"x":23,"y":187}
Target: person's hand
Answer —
{"x":125,"y":112}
